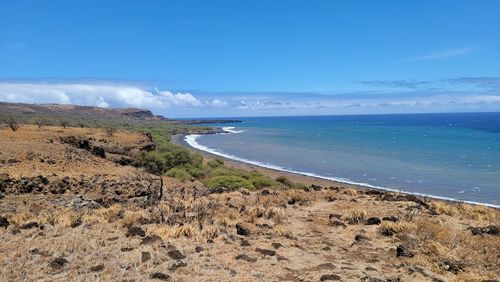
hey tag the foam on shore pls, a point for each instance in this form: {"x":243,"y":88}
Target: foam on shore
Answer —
{"x":192,"y":140}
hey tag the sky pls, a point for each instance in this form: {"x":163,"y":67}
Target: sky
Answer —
{"x":253,"y":58}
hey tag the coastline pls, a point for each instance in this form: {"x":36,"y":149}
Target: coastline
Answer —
{"x":307,"y":178}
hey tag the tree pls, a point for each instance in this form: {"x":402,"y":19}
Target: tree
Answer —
{"x":110,"y":129}
{"x":64,"y":123}
{"x":40,"y":122}
{"x":12,"y":122}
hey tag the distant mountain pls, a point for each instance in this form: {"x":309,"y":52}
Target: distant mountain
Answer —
{"x":76,"y":111}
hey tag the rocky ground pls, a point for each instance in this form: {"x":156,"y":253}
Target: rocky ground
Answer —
{"x":73,"y":207}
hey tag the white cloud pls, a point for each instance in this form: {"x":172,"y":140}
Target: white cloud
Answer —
{"x":102,"y":95}
{"x":439,"y":55}
{"x":219,"y":103}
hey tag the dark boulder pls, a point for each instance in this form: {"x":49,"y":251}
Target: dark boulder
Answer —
{"x":266,"y":252}
{"x":241,"y":230}
{"x":175,"y":254}
{"x":127,"y":249}
{"x":329,"y":277}
{"x":160,"y":276}
{"x":360,"y":238}
{"x":150,"y":239}
{"x":145,"y":256}
{"x":136,"y":231}
{"x":97,"y":268}
{"x":245,"y":258}
{"x":390,"y":218}
{"x":403,"y":251}
{"x":4,"y":222}
{"x":373,"y":221}
{"x":58,"y":263}
{"x":98,"y":151}
{"x":30,"y":225}
{"x":489,"y":230}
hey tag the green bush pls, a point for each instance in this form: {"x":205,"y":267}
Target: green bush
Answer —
{"x":168,"y":156}
{"x":285,"y":181}
{"x":220,"y":183}
{"x":179,"y":173}
{"x":215,"y":163}
{"x":261,"y":181}
{"x":153,"y":162}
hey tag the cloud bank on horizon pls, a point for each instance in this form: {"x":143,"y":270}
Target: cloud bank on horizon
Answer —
{"x":398,"y":96}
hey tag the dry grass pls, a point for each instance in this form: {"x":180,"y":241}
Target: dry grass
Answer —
{"x":354,"y":216}
{"x":389,"y":227}
{"x":351,"y":192}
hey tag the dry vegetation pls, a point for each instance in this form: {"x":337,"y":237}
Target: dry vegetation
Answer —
{"x":192,"y":233}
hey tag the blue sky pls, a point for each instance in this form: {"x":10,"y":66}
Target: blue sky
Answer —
{"x":246,"y":58}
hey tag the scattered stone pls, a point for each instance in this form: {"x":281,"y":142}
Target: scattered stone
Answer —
{"x":58,"y":263}
{"x":160,"y":276}
{"x":145,"y":256}
{"x":198,"y":249}
{"x":98,"y":151}
{"x":316,"y":187}
{"x":79,"y":203}
{"x":490,"y":230}
{"x":245,"y":258}
{"x":375,"y":279}
{"x":451,"y":266}
{"x":329,"y":277}
{"x":150,"y":239}
{"x":245,"y":243}
{"x":327,"y":265}
{"x":136,"y":231}
{"x":175,"y":254}
{"x":97,"y":268}
{"x":127,"y":249}
{"x":334,"y":216}
{"x":331,"y":199}
{"x":30,"y":225}
{"x":241,"y":230}
{"x":178,"y":264}
{"x":390,"y":218}
{"x":276,"y":245}
{"x":336,"y":222}
{"x":77,"y":222}
{"x":359,"y":238}
{"x":265,"y":252}
{"x":4,"y":222}
{"x":403,"y":251}
{"x":373,"y":221}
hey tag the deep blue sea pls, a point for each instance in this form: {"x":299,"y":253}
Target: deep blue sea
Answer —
{"x":455,"y":156}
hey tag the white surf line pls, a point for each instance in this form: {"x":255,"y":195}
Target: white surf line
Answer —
{"x":191,"y":140}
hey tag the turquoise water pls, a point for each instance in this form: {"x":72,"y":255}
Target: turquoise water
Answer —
{"x":455,"y":156}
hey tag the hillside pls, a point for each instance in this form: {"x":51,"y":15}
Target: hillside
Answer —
{"x":81,"y":204}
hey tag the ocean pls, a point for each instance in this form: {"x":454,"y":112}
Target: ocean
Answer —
{"x":452,"y":156}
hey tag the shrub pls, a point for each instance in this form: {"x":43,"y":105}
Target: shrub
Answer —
{"x":285,"y":181}
{"x":220,"y":183}
{"x":153,"y":162}
{"x":110,"y":129}
{"x":261,"y":181}
{"x":215,"y":163}
{"x":64,"y":123}
{"x":179,"y":173}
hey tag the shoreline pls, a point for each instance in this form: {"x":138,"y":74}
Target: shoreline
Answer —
{"x":303,"y":177}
